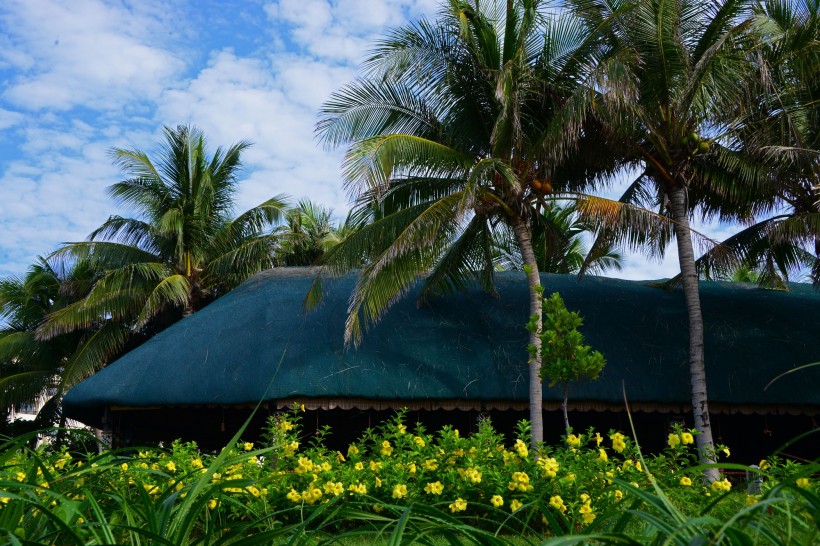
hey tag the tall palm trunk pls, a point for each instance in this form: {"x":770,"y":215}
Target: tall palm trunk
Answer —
{"x":697,"y":368}
{"x":524,"y":238}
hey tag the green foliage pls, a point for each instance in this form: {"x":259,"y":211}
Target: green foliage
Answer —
{"x":564,"y":356}
{"x":395,"y":486}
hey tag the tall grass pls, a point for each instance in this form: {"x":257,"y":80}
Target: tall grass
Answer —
{"x":139,"y":498}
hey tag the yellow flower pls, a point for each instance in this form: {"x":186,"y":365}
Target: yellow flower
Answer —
{"x":312,"y":494}
{"x":197,"y":463}
{"x":419,"y":441}
{"x":294,"y":496}
{"x":171,"y":466}
{"x":521,"y":448}
{"x":285,"y":425}
{"x":674,"y":440}
{"x":378,"y":481}
{"x":150,"y":489}
{"x":802,"y":482}
{"x":430,"y":464}
{"x":340,"y":457}
{"x":687,"y":438}
{"x":473,"y":475}
{"x":402,"y":428}
{"x":602,"y":456}
{"x":586,"y":509}
{"x":290,"y":449}
{"x":352,"y":450}
{"x":497,"y":501}
{"x":326,"y":466}
{"x":124,"y":467}
{"x":252,"y":489}
{"x":334,"y":488}
{"x":515,"y":505}
{"x":459,"y":505}
{"x":399,"y":491}
{"x":212,"y":504}
{"x":387,"y":449}
{"x":359,"y":466}
{"x":549,"y":465}
{"x":375,"y":465}
{"x":570,"y":477}
{"x":686,"y":481}
{"x":618,"y":443}
{"x":378,"y":509}
{"x":558,"y":503}
{"x":638,"y":466}
{"x":763,"y":465}
{"x":727,"y":452}
{"x":619,"y":494}
{"x":411,"y":468}
{"x":359,"y":488}
{"x":598,"y":439}
{"x":247,"y":446}
{"x":61,"y":462}
{"x":80,"y":521}
{"x":434,"y":488}
{"x":721,"y":485}
{"x":573,"y":440}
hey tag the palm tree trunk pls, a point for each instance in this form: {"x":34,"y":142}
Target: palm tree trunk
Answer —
{"x":565,"y":407}
{"x":522,"y":234}
{"x":697,"y":368}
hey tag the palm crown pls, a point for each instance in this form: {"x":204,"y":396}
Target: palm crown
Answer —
{"x":458,"y":132}
{"x":182,"y":249}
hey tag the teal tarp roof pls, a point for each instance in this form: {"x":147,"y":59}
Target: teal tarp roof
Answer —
{"x":468,"y":347}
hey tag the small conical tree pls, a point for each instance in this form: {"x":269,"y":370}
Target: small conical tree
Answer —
{"x":565,"y":359}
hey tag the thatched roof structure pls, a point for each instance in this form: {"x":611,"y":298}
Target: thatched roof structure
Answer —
{"x":465,"y":351}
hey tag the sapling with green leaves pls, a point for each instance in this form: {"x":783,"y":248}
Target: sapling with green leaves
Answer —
{"x":565,"y":359}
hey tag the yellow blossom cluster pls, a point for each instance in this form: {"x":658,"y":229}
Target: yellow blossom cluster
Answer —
{"x":520,"y":481}
{"x":558,"y":503}
{"x":723,"y":485}
{"x":434,"y":488}
{"x":459,"y":505}
{"x":618,"y":442}
{"x":549,"y":465}
{"x":587,"y":515}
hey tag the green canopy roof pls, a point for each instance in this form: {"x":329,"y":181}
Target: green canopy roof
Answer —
{"x":468,"y":348}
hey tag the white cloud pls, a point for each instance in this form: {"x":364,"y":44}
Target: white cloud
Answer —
{"x":85,"y":52}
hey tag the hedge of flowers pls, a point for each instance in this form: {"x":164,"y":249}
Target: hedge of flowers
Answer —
{"x":251,"y":488}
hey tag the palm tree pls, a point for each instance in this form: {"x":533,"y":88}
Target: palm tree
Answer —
{"x":557,"y":240}
{"x":457,"y":127}
{"x":30,"y":367}
{"x":782,"y":131}
{"x":308,"y":232}
{"x":183,"y":249}
{"x":669,"y":91}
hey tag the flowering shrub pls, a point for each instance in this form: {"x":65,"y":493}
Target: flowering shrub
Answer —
{"x":478,"y":481}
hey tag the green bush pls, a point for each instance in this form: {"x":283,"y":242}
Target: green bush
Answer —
{"x":394,"y":482}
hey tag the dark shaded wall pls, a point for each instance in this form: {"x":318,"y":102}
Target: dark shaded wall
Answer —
{"x":749,"y":437}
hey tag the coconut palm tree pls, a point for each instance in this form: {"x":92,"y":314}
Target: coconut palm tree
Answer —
{"x":459,"y":126}
{"x":30,"y":367}
{"x":783,"y":131}
{"x":307,"y":233}
{"x":669,"y":91}
{"x":182,"y":249}
{"x":557,"y":236}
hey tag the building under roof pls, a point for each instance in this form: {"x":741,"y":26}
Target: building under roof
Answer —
{"x":466,"y":351}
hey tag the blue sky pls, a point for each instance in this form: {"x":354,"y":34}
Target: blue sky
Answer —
{"x":78,"y":77}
